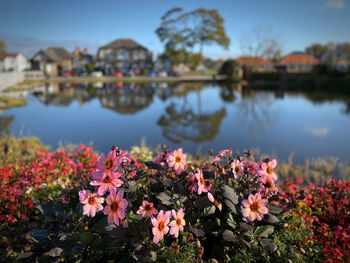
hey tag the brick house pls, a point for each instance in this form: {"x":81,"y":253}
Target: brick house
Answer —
{"x":52,"y":61}
{"x":123,"y":55}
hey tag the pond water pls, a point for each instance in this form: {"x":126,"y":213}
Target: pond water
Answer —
{"x":193,"y":116}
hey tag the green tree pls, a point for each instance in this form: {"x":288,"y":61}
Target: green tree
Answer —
{"x":195,"y":60}
{"x":229,"y":68}
{"x":208,"y":28}
{"x":185,"y":31}
{"x":2,"y":46}
{"x":316,"y":50}
{"x":90,"y":67}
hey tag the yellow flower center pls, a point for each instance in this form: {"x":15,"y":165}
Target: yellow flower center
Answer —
{"x":269,"y":170}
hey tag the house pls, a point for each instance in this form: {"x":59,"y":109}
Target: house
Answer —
{"x":13,"y":62}
{"x":52,"y":61}
{"x":250,"y":64}
{"x":163,"y":64}
{"x":80,"y":60}
{"x":257,"y":64}
{"x":123,"y":55}
{"x":297,"y":63}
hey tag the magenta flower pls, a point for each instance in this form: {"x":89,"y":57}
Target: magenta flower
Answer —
{"x":160,"y":226}
{"x":146,"y":209}
{"x":267,"y":169}
{"x":254,"y":207}
{"x":107,"y":181}
{"x":109,"y":162}
{"x":92,"y":202}
{"x":192,"y":183}
{"x":237,"y":168}
{"x":204,"y":185}
{"x":115,"y":208}
{"x":177,"y":224}
{"x":177,"y":160}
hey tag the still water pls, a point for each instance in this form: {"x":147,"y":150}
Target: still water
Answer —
{"x":194,"y":116}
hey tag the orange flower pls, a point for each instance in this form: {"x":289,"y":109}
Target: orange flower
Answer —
{"x":177,"y":160}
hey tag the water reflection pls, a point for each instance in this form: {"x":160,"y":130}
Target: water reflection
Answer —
{"x":190,"y":115}
{"x":256,"y":110}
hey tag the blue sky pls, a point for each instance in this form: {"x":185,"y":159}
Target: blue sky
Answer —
{"x":30,"y":25}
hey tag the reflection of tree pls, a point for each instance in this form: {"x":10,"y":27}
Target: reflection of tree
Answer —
{"x":227,"y":93}
{"x":182,"y":123}
{"x":254,"y":110}
{"x":5,"y":123}
{"x":325,"y":97}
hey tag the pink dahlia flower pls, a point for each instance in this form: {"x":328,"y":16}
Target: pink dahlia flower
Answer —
{"x":254,"y":207}
{"x":160,"y":226}
{"x":115,"y":208}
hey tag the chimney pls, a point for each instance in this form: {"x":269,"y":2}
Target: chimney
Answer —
{"x":85,"y":51}
{"x":76,"y":51}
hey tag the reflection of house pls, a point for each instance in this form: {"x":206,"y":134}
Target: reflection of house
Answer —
{"x":298,"y":62}
{"x":52,"y":61}
{"x":337,"y":59}
{"x":123,"y":54}
{"x":80,"y":60}
{"x":13,"y":62}
{"x":163,"y":64}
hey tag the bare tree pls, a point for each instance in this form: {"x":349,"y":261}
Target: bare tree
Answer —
{"x":261,"y":41}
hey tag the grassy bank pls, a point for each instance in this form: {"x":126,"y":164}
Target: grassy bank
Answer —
{"x":9,"y":102}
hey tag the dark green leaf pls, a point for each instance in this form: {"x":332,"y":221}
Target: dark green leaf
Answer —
{"x":269,"y":218}
{"x":229,"y":236}
{"x":230,"y":198}
{"x":273,"y":209}
{"x":268,"y":244}
{"x":164,"y":198}
{"x":86,"y":238}
{"x":24,"y":255}
{"x":197,"y":231}
{"x":231,"y":222}
{"x":265,"y":231}
{"x":203,"y":202}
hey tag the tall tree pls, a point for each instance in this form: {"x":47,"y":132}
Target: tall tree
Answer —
{"x":260,"y":42}
{"x":208,"y":28}
{"x":185,"y":31}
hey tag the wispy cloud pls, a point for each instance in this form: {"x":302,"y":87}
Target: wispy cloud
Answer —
{"x":333,"y":4}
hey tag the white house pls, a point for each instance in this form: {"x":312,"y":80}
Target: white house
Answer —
{"x":13,"y":62}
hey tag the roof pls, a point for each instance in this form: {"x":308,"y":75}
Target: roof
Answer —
{"x":56,"y":53}
{"x":123,"y":43}
{"x":248,"y":60}
{"x":298,"y":58}
{"x":5,"y":55}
